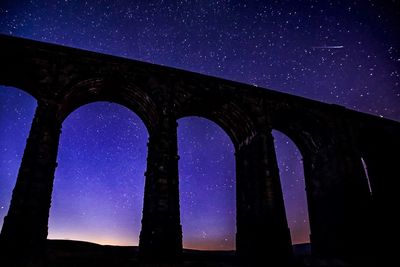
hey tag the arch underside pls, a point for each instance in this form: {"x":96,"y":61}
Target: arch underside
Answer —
{"x":100,"y":89}
{"x":225,"y":113}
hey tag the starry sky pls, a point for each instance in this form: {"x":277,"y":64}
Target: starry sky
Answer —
{"x":342,"y":52}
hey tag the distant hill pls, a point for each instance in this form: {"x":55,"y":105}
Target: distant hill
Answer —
{"x":302,"y":249}
{"x":70,"y":253}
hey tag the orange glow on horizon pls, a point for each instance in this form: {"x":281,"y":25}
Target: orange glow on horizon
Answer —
{"x":210,"y":244}
{"x":95,"y":238}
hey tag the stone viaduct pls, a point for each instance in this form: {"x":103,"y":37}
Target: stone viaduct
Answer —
{"x":347,"y":220}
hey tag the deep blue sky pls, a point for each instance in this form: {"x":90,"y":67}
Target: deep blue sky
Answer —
{"x":343,"y":52}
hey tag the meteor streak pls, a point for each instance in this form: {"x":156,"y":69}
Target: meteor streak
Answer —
{"x":328,"y":47}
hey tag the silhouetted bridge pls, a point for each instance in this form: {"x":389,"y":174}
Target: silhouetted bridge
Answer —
{"x":347,"y":222}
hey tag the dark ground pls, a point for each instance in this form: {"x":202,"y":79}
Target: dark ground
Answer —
{"x":63,"y":253}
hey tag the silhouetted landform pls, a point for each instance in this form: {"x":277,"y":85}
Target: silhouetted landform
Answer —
{"x":78,"y":253}
{"x":63,"y":253}
{"x":302,"y":249}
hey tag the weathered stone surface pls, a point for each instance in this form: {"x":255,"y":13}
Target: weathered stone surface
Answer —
{"x":347,"y":222}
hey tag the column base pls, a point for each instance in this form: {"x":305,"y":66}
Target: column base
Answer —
{"x":161,"y":244}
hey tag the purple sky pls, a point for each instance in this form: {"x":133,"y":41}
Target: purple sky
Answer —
{"x":342,"y":52}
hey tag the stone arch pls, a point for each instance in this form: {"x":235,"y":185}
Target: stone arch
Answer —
{"x":226,"y":114}
{"x":307,"y":130}
{"x":105,"y":89}
{"x":15,"y":121}
{"x":22,"y":88}
{"x":224,"y":127}
{"x":378,"y":143}
{"x":365,"y":167}
{"x":336,"y":191}
{"x":309,"y":133}
{"x":299,"y":189}
{"x":376,"y":148}
{"x":10,"y":76}
{"x":104,"y":170}
{"x":325,"y":134}
{"x":224,"y":238}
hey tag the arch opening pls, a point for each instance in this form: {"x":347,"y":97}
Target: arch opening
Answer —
{"x":17,"y":110}
{"x":366,"y":175}
{"x":123,"y":93}
{"x":207,"y":185}
{"x":291,"y":173}
{"x":99,"y":182}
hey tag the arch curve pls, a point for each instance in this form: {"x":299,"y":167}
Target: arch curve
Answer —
{"x":227,"y":115}
{"x":308,"y":130}
{"x":124,"y":93}
{"x":23,"y":89}
{"x":207,"y":164}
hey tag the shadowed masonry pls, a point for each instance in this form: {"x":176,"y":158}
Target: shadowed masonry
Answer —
{"x":347,"y":222}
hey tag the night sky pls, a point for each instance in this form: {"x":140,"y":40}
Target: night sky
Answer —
{"x":342,"y":52}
